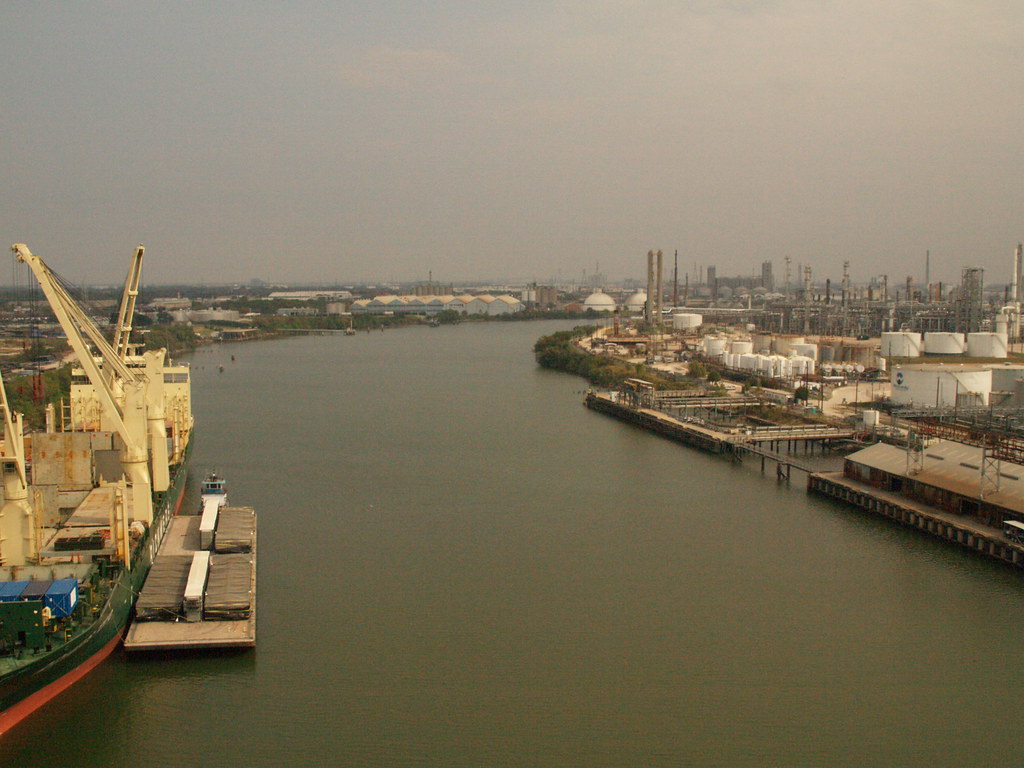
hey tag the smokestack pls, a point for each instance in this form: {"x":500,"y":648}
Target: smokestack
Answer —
{"x":1015,"y":283}
{"x":675,"y":282}
{"x":649,"y":305}
{"x":657,"y":301}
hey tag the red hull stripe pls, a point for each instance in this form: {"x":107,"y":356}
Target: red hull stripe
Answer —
{"x":14,"y":715}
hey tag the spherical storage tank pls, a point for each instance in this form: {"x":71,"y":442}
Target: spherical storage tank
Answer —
{"x":986,"y":344}
{"x":685,"y":320}
{"x":943,"y":343}
{"x":942,"y":385}
{"x":599,"y":301}
{"x":901,"y":344}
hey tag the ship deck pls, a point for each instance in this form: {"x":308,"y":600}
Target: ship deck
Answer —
{"x":182,"y":538}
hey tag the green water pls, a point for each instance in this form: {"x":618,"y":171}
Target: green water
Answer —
{"x":462,"y":566}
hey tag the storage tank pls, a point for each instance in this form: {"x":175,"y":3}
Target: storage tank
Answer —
{"x":942,"y":385}
{"x":741,"y":347}
{"x":869,"y":419}
{"x":762,"y":343}
{"x":784,"y":344}
{"x":944,"y":343}
{"x":802,"y":365}
{"x":900,"y":344}
{"x":859,"y":351}
{"x":714,"y":346}
{"x":683,"y":321}
{"x":748,"y":362}
{"x":806,"y":350}
{"x":636,"y":302}
{"x":830,"y":348}
{"x":986,"y":345}
{"x":1004,"y":378}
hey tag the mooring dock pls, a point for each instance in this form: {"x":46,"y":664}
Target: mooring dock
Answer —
{"x":958,"y":529}
{"x":765,"y":442}
{"x":974,"y":528}
{"x":196,"y":598}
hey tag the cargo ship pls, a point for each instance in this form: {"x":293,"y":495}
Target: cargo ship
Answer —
{"x":86,"y":501}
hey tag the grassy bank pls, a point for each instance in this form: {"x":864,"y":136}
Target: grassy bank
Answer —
{"x":558,"y":353}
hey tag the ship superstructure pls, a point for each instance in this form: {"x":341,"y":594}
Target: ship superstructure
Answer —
{"x":86,"y":502}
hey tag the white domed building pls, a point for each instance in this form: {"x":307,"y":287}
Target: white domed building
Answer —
{"x":636,"y":303}
{"x":599,"y":301}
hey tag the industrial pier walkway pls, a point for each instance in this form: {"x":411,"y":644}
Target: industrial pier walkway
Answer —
{"x":762,"y":441}
{"x":958,"y":529}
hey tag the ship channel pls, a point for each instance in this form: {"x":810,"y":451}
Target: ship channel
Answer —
{"x":462,"y":565}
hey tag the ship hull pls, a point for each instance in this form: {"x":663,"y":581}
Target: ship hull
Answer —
{"x":25,"y":690}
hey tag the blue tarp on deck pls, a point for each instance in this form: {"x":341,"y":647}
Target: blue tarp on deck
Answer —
{"x":11,"y":590}
{"x":61,"y":597}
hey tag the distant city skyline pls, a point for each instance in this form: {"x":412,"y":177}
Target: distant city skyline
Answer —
{"x":310,"y":141}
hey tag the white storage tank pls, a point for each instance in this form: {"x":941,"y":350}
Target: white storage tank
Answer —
{"x":683,"y":321}
{"x":748,"y":362}
{"x":1005,"y":377}
{"x":944,"y":343}
{"x":986,"y":345}
{"x":784,"y":344}
{"x":741,"y":347}
{"x":941,"y":385}
{"x":869,"y":419}
{"x":636,"y":303}
{"x":806,"y":350}
{"x":802,"y":365}
{"x":714,"y":346}
{"x":900,"y":344}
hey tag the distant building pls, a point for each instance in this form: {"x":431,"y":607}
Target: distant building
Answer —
{"x":431,"y":288}
{"x":433,"y":305}
{"x":540,"y":296}
{"x":310,"y":295}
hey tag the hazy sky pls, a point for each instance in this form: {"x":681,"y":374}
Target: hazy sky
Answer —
{"x":512,"y":140}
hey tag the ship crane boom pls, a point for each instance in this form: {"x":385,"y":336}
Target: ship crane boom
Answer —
{"x":121,"y":392}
